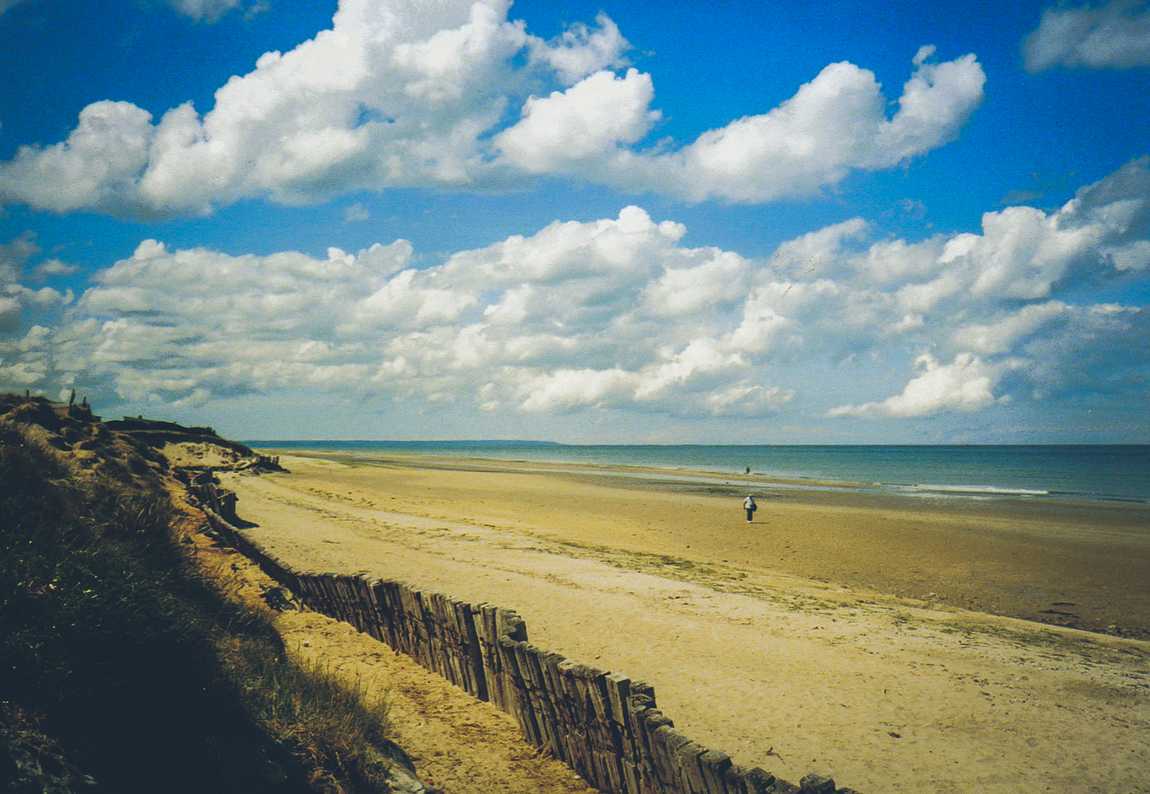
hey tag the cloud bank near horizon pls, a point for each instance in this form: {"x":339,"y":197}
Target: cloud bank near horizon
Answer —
{"x":619,"y":313}
{"x":457,"y":95}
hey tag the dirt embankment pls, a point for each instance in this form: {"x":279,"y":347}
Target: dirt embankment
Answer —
{"x":193,"y":447}
{"x":125,"y":668}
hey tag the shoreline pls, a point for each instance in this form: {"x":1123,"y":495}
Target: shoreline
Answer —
{"x":738,"y":482}
{"x":1075,"y":564}
{"x":861,"y":636}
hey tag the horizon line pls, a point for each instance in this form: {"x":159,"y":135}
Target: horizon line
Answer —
{"x":545,"y":442}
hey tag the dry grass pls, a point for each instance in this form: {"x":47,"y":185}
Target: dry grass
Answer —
{"x":146,"y":675}
{"x":305,"y":704}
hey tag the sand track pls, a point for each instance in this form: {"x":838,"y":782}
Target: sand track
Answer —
{"x":458,"y":744}
{"x":783,"y":672}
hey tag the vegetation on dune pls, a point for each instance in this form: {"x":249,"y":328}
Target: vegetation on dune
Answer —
{"x":123,"y":669}
{"x":306,"y":704}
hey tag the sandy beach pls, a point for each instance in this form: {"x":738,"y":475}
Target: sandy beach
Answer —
{"x":892,"y":643}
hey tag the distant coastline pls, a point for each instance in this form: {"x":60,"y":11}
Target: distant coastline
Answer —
{"x":1078,"y":472}
{"x":466,"y":443}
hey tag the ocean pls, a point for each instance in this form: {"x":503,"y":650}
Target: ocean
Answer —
{"x":1082,"y":472}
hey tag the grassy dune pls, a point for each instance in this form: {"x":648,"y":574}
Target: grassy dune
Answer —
{"x":124,"y":668}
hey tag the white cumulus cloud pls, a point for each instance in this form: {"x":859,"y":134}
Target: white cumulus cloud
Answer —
{"x":580,"y":124}
{"x":1003,"y":334}
{"x":620,"y":314}
{"x":835,"y":124}
{"x":15,"y":296}
{"x":965,"y":384}
{"x":1115,"y":35}
{"x":581,"y":50}
{"x":95,"y":168}
{"x":459,"y":95}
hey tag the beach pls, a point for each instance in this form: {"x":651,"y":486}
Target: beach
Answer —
{"x":898,"y":644}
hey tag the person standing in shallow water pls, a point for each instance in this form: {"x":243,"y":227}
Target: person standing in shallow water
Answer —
{"x":750,"y":506}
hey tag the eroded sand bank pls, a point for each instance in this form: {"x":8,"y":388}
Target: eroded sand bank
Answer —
{"x":749,"y":652}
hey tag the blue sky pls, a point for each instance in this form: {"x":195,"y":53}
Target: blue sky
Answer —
{"x":810,"y":262}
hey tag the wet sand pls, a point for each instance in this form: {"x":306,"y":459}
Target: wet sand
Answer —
{"x":1084,"y":565}
{"x":791,"y":642}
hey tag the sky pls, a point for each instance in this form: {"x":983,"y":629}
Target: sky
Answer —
{"x":610,"y":222}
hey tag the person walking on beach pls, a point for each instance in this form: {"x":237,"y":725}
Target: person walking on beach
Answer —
{"x":750,"y":506}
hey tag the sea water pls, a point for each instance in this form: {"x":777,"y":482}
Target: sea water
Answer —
{"x":1095,"y":472}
